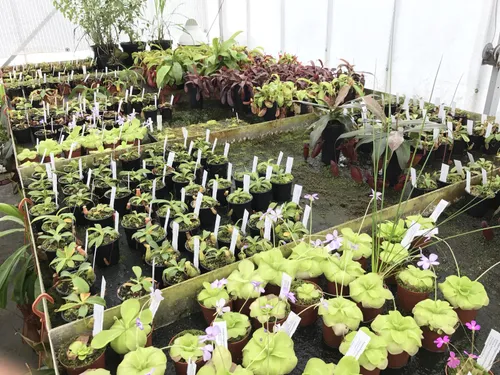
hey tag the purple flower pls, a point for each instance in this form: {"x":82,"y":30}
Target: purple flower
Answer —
{"x":207,"y":352}
{"x":120,"y":120}
{"x":440,"y":341}
{"x":218,"y":283}
{"x":274,"y":215}
{"x":267,"y":306}
{"x":324,"y":303}
{"x":473,"y":326}
{"x":378,"y":195}
{"x":220,"y":307}
{"x":151,"y":372}
{"x":148,"y":122}
{"x":211,"y":333}
{"x":312,"y":197}
{"x":453,"y":361}
{"x":426,"y":263}
{"x":471,"y":355}
{"x":131,"y":116}
{"x":95,"y":111}
{"x":291,"y":297}
{"x":333,"y":240}
{"x":257,"y":286}
{"x":138,"y":324}
{"x":317,"y":243}
{"x":41,"y":122}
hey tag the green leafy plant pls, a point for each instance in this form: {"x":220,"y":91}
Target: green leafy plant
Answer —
{"x":426,"y":181}
{"x":179,"y":271}
{"x":161,"y":254}
{"x":56,"y":239}
{"x":239,"y":197}
{"x":393,"y":253}
{"x":369,"y":291}
{"x":347,"y":366}
{"x":342,"y":270}
{"x":78,"y":281}
{"x":79,"y":305}
{"x":464,"y":293}
{"x":134,"y":220}
{"x":306,"y":293}
{"x":416,"y":279}
{"x":290,"y":231}
{"x":99,"y":236}
{"x":437,"y":315}
{"x":309,"y":260}
{"x":341,"y":314}
{"x":254,"y":245}
{"x":238,"y":325}
{"x":212,"y":258}
{"x":187,"y":221}
{"x":126,"y":335}
{"x":187,"y":345}
{"x":392,"y":232}
{"x":275,"y":94}
{"x":211,"y":293}
{"x":137,"y":286}
{"x":269,"y":308}
{"x":281,"y":178}
{"x":150,"y":234}
{"x":68,"y":259}
{"x":222,"y":363}
{"x":149,"y":360}
{"x":375,"y":353}
{"x":271,"y":265}
{"x":45,"y":208}
{"x":239,"y":282}
{"x":261,"y":185}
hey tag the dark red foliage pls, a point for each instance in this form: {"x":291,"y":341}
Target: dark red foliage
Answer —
{"x":356,"y":174}
{"x":370,"y":180}
{"x":348,"y":149}
{"x":305,"y":151}
{"x":401,"y":183}
{"x":317,"y":148}
{"x":487,"y":231}
{"x":334,"y":168}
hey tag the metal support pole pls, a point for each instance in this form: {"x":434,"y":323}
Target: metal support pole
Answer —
{"x":388,"y":66}
{"x":493,"y":93}
{"x":221,"y":20}
{"x":329,"y":31}
{"x":282,"y":26}
{"x":30,"y":37}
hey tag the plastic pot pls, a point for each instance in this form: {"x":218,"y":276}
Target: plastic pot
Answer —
{"x":477,"y":142}
{"x":270,"y":114}
{"x":282,"y":192}
{"x":207,"y":217}
{"x":236,"y":348}
{"x":129,"y":48}
{"x":105,"y":222}
{"x":217,"y":169}
{"x":459,"y":147}
{"x":160,"y":44}
{"x":330,"y":135}
{"x":166,"y":113}
{"x":181,"y":367}
{"x":369,"y":313}
{"x":243,"y":306}
{"x":446,"y":371}
{"x":261,"y":201}
{"x":238,"y":209}
{"x":210,"y":313}
{"x":128,"y":235}
{"x":364,"y":371}
{"x":308,"y":317}
{"x":184,"y":234}
{"x":77,"y":211}
{"x":335,"y":289}
{"x":493,"y":148}
{"x":479,"y":207}
{"x":272,"y":289}
{"x":330,"y":338}
{"x":100,"y":362}
{"x":221,"y":196}
{"x":466,"y":316}
{"x":397,"y":360}
{"x":428,"y":341}
{"x":142,"y":249}
{"x":108,"y":255}
{"x":417,"y":192}
{"x":22,"y":135}
{"x":193,"y":101}
{"x":408,"y":299}
{"x":178,"y":187}
{"x":131,"y":165}
{"x":151,"y":115}
{"x":120,"y":203}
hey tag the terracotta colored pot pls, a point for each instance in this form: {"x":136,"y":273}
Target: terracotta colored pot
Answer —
{"x":181,"y":367}
{"x":330,"y":338}
{"x":466,"y":316}
{"x":391,"y":280}
{"x":364,"y":371}
{"x":75,"y":154}
{"x":419,"y":242}
{"x":269,"y":325}
{"x":397,"y":360}
{"x":209,"y":313}
{"x":334,"y":288}
{"x":314,"y":280}
{"x":363,"y":262}
{"x":368,"y":313}
{"x":240,"y":306}
{"x":408,"y":299}
{"x":149,"y":338}
{"x":273,"y":289}
{"x":98,"y":363}
{"x":308,"y":317}
{"x":428,"y":341}
{"x":236,"y":348}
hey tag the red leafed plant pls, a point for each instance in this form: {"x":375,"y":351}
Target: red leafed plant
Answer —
{"x":334,"y":168}
{"x":356,"y":174}
{"x":487,"y":231}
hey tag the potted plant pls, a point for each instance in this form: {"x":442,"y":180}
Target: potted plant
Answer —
{"x":239,"y":201}
{"x":78,"y":306}
{"x":131,"y":223}
{"x":436,"y":318}
{"x":391,"y":256}
{"x":208,"y":211}
{"x":186,"y":346}
{"x":78,"y":281}
{"x":253,"y":245}
{"x":212,"y":258}
{"x":150,"y":112}
{"x":189,"y":225}
{"x":240,"y":175}
{"x":39,"y":197}
{"x":129,"y":332}
{"x":272,"y":100}
{"x":140,"y":361}
{"x":261,"y":190}
{"x":480,"y":199}
{"x":131,"y":160}
{"x":217,"y":165}
{"x":135,"y":287}
{"x":238,"y":332}
{"x":100,"y":214}
{"x":103,"y":183}
{"x":222,"y":363}
{"x":413,"y":286}
{"x":69,"y":258}
{"x":223,"y":189}
{"x":340,"y":316}
{"x":225,"y":234}
{"x":140,"y":201}
{"x":307,"y":296}
{"x":465,"y":295}
{"x":289,"y":231}
{"x":374,"y":357}
{"x":209,"y":297}
{"x":347,"y":366}
{"x":271,"y":265}
{"x":48,"y":207}
{"x":105,"y":242}
{"x":289,"y":210}
{"x":22,"y":133}
{"x":122,"y":195}
{"x":245,"y":285}
{"x":426,"y":183}
{"x":309,"y":259}
{"x":134,"y":178}
{"x":76,"y":202}
{"x":267,"y":347}
{"x":269,"y":310}
{"x":79,"y":356}
{"x":161,"y":255}
{"x":340,"y":272}
{"x":150,"y":234}
{"x":179,"y":272}
{"x":370,"y":294}
{"x":26,"y":154}
{"x":181,"y":180}
{"x":174,"y":206}
{"x":54,"y":240}
{"x":392,"y":232}
{"x":282,"y":186}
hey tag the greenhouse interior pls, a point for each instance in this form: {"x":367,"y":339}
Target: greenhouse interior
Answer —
{"x":249,"y":187}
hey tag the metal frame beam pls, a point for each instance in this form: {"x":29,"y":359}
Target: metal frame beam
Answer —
{"x":329,"y":31}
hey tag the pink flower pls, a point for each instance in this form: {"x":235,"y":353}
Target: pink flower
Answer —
{"x":311,"y":197}
{"x":426,"y":263}
{"x":440,"y":341}
{"x":470,"y":355}
{"x":473,"y":326}
{"x":453,"y":361}
{"x":378,"y":195}
{"x":217,"y":284}
{"x":211,"y":333}
{"x":207,"y":352}
{"x":291,"y":297}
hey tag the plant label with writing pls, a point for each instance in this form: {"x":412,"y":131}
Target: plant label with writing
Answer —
{"x":490,"y":350}
{"x":98,"y":319}
{"x":89,"y":177}
{"x":207,"y":136}
{"x":441,"y":206}
{"x":213,"y":145}
{"x":190,"y":148}
{"x":183,"y":195}
{"x":246,"y":183}
{"x":48,"y":170}
{"x":234,"y":239}
{"x":159,"y":122}
{"x":175,"y":235}
{"x":167,"y":218}
{"x":280,"y":157}
{"x":52,"y":161}
{"x":196,"y":252}
{"x":443,"y":176}
{"x":269,"y":172}
{"x":150,"y":209}
{"x":307,"y":212}
{"x":297,"y":192}
{"x":458,"y":164}
{"x":221,"y":338}
{"x":197,"y":204}
{"x":226,"y":149}
{"x":216,"y":226}
{"x":467,"y":181}
{"x":485,"y":176}
{"x":291,"y":324}
{"x":470,"y":127}
{"x":117,"y":221}
{"x":289,"y":164}
{"x":229,"y":171}
{"x":191,"y":368}
{"x":267,"y":229}
{"x":410,"y":235}
{"x":413,"y":174}
{"x":286,"y":284}
{"x":358,"y":345}
{"x":244,"y":222}
{"x":204,"y":178}
{"x":254,"y":164}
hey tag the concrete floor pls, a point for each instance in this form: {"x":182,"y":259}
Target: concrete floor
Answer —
{"x":11,"y":322}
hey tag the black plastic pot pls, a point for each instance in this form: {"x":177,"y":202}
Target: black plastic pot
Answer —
{"x":178,"y":187}
{"x":479,"y":207}
{"x":261,"y":201}
{"x":418,"y":192}
{"x":193,"y":102}
{"x":120,"y":203}
{"x":270,"y":114}
{"x":426,"y":158}
{"x":207,"y":218}
{"x":183,"y":237}
{"x":239,"y":183}
{"x":137,"y":106}
{"x":46,"y":134}
{"x":221,"y":196}
{"x":151,"y":115}
{"x":22,"y":135}
{"x":108,"y":255}
{"x":459,"y":147}
{"x":129,"y":48}
{"x":393,"y":170}
{"x":217,"y":169}
{"x":493,"y":148}
{"x":238,"y":209}
{"x":477,"y":141}
{"x":129,"y":232}
{"x":80,"y":218}
{"x":166,"y":113}
{"x":131,"y":165}
{"x":239,"y":98}
{"x":330,"y":135}
{"x":282,"y":192}
{"x":156,"y":44}
{"x":105,"y":222}
{"x":254,"y":232}
{"x":158,"y":274}
{"x":102,"y":54}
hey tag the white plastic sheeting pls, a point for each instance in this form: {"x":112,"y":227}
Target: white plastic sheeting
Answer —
{"x":424,"y":33}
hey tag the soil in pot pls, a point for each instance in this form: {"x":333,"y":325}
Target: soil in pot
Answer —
{"x":105,"y":221}
{"x":124,"y":293}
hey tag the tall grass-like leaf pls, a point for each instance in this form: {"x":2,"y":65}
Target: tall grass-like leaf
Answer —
{"x":11,"y":210}
{"x":6,"y":270}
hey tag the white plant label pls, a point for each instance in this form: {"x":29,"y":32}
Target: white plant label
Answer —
{"x":71,"y":148}
{"x":191,"y":369}
{"x":103,"y":287}
{"x":267,"y":229}
{"x":214,"y":189}
{"x":214,"y":144}
{"x":280,"y":157}
{"x":297,"y":192}
{"x":170,"y":158}
{"x":207,"y":136}
{"x":54,"y":186}
{"x":289,"y":164}
{"x":421,"y":104}
{"x":113,"y":168}
{"x":269,"y":172}
{"x":229,"y":171}
{"x":244,"y":222}
{"x":190,"y":148}
{"x":234,"y":238}
{"x":453,"y":108}
{"x":406,"y":102}
{"x":150,"y":210}
{"x":48,"y":170}
{"x":490,"y":350}
{"x":410,"y":235}
{"x":291,"y":324}
{"x":485,"y":176}
{"x":470,"y":127}
{"x":407,"y":111}
{"x":89,"y":176}
{"x":307,"y":212}
{"x":204,"y":178}
{"x":226,"y":149}
{"x":198,"y":157}
{"x":87,"y":242}
{"x":167,"y":218}
{"x":246,"y":183}
{"x":413,"y":174}
{"x":52,"y":161}
{"x":286,"y":283}
{"x":185,"y":135}
{"x":254,"y":164}
{"x":221,"y":338}
{"x":117,"y":221}
{"x":358,"y":345}
{"x":98,"y":319}
{"x":197,"y":204}
{"x":175,"y":235}
{"x":483,"y":118}
{"x":449,"y":125}
{"x":153,"y":266}
{"x":489,"y":128}
{"x":196,"y":252}
{"x":112,"y":197}
{"x":471,"y":158}
{"x":153,"y":190}
{"x":216,"y":226}
{"x":443,"y":176}
{"x":439,"y":210}
{"x":435,"y":134}
{"x":159,"y":122}
{"x":458,"y":164}
{"x":183,"y":195}
{"x":467,"y":181}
